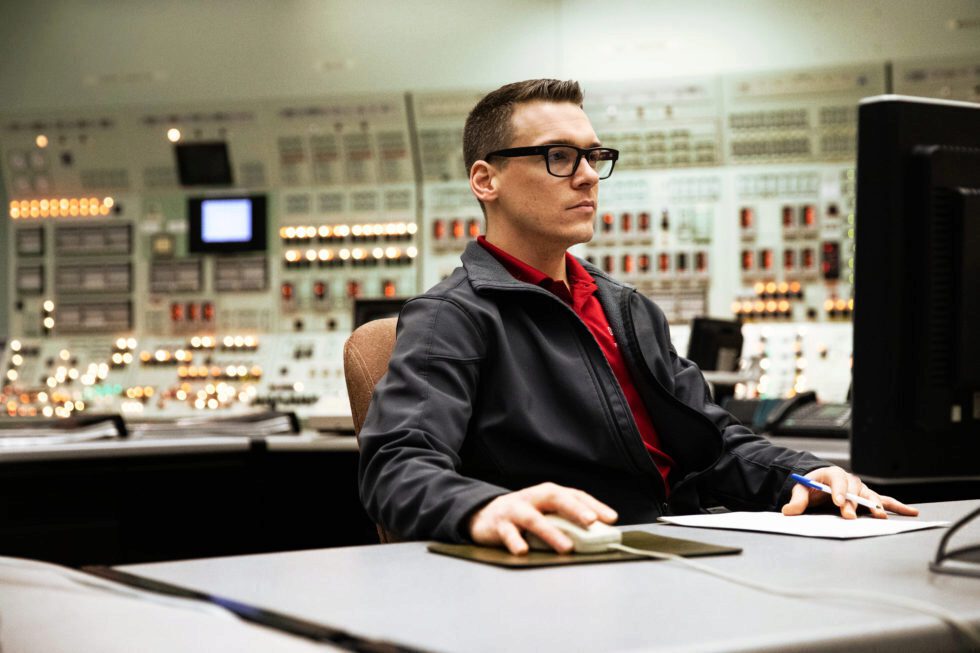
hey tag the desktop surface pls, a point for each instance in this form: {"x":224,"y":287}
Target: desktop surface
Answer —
{"x":401,"y":593}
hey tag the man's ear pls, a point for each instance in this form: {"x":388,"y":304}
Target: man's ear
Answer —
{"x":483,"y":181}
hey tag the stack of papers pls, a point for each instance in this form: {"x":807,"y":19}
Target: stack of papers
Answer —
{"x":832,"y":526}
{"x":47,"y":432}
{"x":254,"y":425}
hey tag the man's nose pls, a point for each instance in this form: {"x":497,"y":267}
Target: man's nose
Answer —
{"x":585,"y":175}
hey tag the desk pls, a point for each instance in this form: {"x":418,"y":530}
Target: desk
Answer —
{"x":834,"y":451}
{"x":401,"y":593}
{"x":143,"y":498}
{"x":140,"y":446}
{"x":44,"y":610}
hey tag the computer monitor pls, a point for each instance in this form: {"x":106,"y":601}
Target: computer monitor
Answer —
{"x":916,"y":393}
{"x":366,"y":310}
{"x":203,"y":164}
{"x":715,"y":345}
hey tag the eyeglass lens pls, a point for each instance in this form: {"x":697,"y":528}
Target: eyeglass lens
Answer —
{"x":562,"y":161}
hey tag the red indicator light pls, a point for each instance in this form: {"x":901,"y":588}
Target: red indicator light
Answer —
{"x":766,"y":257}
{"x":789,"y":259}
{"x":748,"y":260}
{"x":701,"y":261}
{"x":787,"y":216}
{"x":644,"y":221}
{"x":808,"y":258}
{"x":746,"y":217}
{"x":607,"y":222}
{"x":809,"y":217}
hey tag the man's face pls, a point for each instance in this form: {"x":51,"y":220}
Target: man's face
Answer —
{"x":549,"y":210}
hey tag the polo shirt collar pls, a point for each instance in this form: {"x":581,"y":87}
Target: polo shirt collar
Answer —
{"x":580,"y":287}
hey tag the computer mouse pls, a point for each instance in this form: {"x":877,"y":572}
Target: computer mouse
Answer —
{"x":594,"y":539}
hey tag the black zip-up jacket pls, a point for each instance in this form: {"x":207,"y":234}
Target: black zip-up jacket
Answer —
{"x":495,"y":385}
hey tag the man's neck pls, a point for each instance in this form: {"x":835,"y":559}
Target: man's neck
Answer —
{"x":548,"y":259}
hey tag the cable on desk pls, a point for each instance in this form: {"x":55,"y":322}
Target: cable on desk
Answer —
{"x":942,"y":555}
{"x":94,"y":583}
{"x":961,"y":626}
{"x":267,"y":618}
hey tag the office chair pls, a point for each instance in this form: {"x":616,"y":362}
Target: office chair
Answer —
{"x":366,"y":355}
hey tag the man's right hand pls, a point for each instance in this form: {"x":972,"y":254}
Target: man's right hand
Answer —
{"x":502,"y":520}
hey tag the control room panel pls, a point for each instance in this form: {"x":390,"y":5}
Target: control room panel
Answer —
{"x":168,"y":261}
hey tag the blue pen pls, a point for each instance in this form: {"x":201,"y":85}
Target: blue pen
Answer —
{"x":803,"y":480}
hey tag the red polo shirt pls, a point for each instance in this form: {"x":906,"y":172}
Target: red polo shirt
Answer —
{"x":581,"y":298}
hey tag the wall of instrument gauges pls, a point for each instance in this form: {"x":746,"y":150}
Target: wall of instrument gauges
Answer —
{"x":169,"y":260}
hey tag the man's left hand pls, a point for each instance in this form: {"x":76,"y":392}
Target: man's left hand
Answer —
{"x":840,"y":482}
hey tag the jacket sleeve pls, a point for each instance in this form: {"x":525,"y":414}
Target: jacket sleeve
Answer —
{"x":416,"y":424}
{"x":752,"y":473}
{"x":749,"y":473}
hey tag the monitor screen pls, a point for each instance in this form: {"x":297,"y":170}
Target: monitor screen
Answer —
{"x":203,"y":164}
{"x":227,"y":224}
{"x":916,"y":374}
{"x":226,"y":221}
{"x":715,"y":345}
{"x":366,"y":310}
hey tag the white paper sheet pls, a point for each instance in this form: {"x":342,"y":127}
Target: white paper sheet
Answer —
{"x":805,"y":525}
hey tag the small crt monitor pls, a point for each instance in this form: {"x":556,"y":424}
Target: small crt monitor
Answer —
{"x":203,"y":164}
{"x":715,"y":345}
{"x":227,"y":224}
{"x":366,"y":310}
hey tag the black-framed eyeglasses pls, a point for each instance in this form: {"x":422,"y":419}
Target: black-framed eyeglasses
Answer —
{"x":563,"y":160}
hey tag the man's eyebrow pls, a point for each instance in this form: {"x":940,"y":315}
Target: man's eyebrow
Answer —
{"x":566,"y":141}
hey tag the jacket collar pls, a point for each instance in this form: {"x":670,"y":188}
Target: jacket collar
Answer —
{"x":486,"y":272}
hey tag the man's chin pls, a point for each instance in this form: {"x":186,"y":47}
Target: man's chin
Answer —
{"x":587,"y":233}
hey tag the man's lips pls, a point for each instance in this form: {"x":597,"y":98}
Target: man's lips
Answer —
{"x":584,"y":205}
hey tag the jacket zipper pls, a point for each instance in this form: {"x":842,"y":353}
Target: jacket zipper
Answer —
{"x":630,"y":329}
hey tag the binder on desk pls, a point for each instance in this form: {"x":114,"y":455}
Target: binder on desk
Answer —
{"x":253,"y":425}
{"x":81,"y":428}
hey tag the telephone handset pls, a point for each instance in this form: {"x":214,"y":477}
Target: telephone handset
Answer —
{"x":785,"y":408}
{"x":801,"y":416}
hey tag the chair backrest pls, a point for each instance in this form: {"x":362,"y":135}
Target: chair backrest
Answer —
{"x":366,"y":355}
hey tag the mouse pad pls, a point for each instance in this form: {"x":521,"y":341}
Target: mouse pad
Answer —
{"x":635,"y":539}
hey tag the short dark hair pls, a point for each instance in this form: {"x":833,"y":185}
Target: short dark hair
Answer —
{"x":488,"y":126}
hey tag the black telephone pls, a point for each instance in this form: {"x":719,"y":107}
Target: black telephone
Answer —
{"x":786,"y":407}
{"x":799,"y":416}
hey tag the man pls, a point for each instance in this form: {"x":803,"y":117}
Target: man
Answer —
{"x":529,"y":382}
